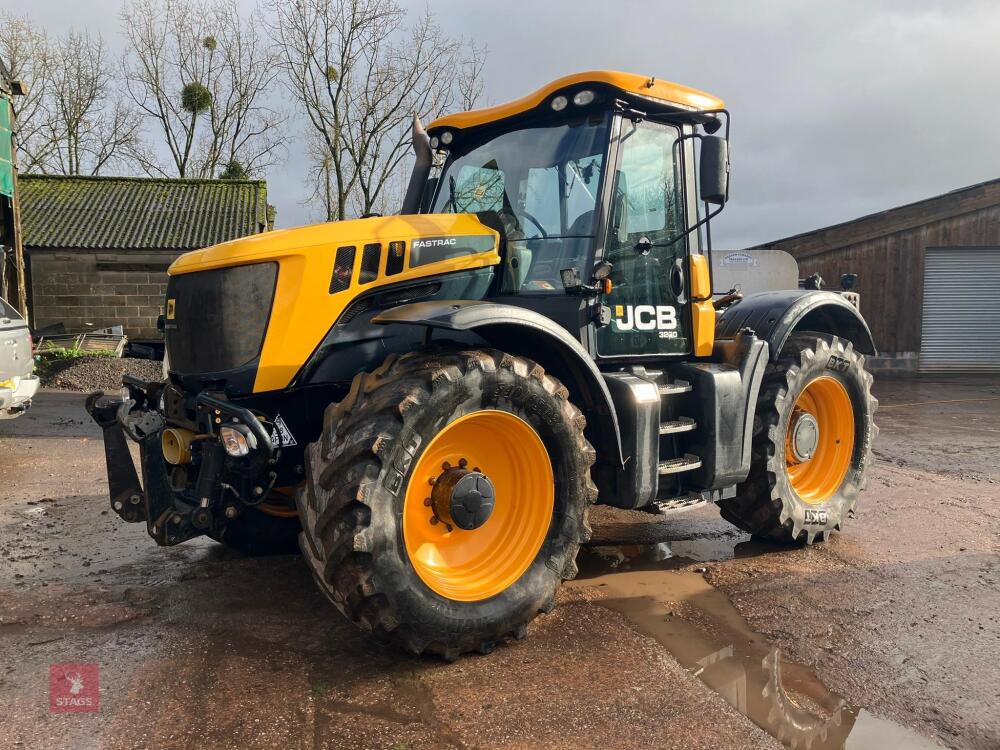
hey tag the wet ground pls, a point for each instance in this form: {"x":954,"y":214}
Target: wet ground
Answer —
{"x":681,"y":632}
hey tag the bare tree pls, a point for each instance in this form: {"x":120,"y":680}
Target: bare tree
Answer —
{"x":358,"y":73}
{"x":25,"y":49}
{"x":471,"y":80}
{"x":202,"y":74}
{"x":73,"y":119}
{"x":90,"y":127}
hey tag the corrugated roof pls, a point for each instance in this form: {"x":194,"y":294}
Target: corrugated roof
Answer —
{"x":138,"y":213}
{"x":891,"y":220}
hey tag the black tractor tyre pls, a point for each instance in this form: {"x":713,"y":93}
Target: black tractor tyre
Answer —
{"x":257,"y":533}
{"x":356,"y":479}
{"x":766,"y":504}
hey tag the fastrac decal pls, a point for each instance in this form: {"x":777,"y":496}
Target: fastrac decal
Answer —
{"x":662,"y":318}
{"x":434,"y":249}
{"x":438,"y":242}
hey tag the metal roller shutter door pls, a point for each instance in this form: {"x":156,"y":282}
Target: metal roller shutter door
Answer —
{"x":961,"y":314}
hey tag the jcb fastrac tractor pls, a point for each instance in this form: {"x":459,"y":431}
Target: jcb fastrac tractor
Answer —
{"x":428,"y":403}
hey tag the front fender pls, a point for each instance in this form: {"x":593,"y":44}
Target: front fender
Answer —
{"x":773,"y":316}
{"x":524,"y":332}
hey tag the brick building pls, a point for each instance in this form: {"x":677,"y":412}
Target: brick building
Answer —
{"x":98,"y":248}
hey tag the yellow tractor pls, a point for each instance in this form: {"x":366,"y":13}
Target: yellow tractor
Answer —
{"x":427,"y":404}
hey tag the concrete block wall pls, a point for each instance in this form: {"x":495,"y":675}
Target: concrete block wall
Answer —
{"x":85,"y":289}
{"x":894,"y":364}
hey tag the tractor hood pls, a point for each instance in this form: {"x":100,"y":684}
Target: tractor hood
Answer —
{"x":319,"y":239}
{"x":261,"y":305}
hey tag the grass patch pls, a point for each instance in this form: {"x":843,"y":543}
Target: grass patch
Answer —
{"x":51,"y":362}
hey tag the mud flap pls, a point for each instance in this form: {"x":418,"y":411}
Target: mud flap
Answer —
{"x":123,"y":481}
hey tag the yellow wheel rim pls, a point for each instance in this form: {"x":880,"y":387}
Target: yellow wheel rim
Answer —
{"x":471,"y":565}
{"x":826,"y":404}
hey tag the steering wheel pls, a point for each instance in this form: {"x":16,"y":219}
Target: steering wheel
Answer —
{"x":518,"y":214}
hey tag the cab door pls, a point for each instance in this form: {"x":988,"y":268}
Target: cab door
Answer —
{"x":645,"y":219}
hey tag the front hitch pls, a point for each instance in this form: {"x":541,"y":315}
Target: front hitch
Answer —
{"x":165,"y":522}
{"x":123,"y":481}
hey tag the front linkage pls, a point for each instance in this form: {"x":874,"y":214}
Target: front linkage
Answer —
{"x":208,"y":486}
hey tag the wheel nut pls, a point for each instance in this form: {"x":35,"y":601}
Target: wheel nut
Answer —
{"x":434,"y":520}
{"x":463,"y":462}
{"x":428,"y":502}
{"x":118,"y":505}
{"x":231,"y":511}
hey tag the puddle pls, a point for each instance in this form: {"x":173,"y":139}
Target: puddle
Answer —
{"x":709,"y":637}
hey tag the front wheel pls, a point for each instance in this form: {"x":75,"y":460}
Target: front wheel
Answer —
{"x":812,"y":442}
{"x":447,"y":499}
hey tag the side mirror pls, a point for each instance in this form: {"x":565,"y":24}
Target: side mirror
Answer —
{"x":714,"y":169}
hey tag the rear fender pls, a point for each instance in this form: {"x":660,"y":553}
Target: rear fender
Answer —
{"x":774,"y":316}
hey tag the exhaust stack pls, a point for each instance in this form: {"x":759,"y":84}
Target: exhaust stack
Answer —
{"x":421,"y":168}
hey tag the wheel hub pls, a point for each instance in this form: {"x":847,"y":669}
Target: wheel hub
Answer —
{"x":463,"y":498}
{"x":805,"y":436}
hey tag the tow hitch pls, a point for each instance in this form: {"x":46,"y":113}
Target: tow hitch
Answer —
{"x":174,"y":514}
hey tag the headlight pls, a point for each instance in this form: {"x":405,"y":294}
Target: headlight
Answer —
{"x":236,"y":442}
{"x":447,"y":137}
{"x":559,"y":103}
{"x":583,"y":98}
{"x":435,"y":142}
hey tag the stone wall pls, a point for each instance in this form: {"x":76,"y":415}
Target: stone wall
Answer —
{"x":85,"y":289}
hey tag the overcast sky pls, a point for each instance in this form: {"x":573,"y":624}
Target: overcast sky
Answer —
{"x":839,"y":108}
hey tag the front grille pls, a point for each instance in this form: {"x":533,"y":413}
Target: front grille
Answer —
{"x":219,"y":317}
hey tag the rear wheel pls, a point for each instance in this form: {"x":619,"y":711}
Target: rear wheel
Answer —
{"x":812,"y":442}
{"x":447,"y":499}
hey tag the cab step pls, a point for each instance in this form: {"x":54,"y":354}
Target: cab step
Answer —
{"x":681,"y":503}
{"x":687,"y":462}
{"x":675,"y":388}
{"x":681,"y":424}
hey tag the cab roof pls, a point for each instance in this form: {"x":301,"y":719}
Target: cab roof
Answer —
{"x":631,"y":84}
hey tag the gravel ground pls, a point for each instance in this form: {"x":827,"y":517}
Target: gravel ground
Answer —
{"x":200,"y":646}
{"x":100,"y":373}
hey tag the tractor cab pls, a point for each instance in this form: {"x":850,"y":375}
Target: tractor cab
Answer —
{"x":591,"y":182}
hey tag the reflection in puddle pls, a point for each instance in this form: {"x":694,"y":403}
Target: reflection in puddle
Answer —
{"x":709,"y":637}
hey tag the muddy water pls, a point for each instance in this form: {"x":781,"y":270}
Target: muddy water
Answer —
{"x":655,"y":587}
